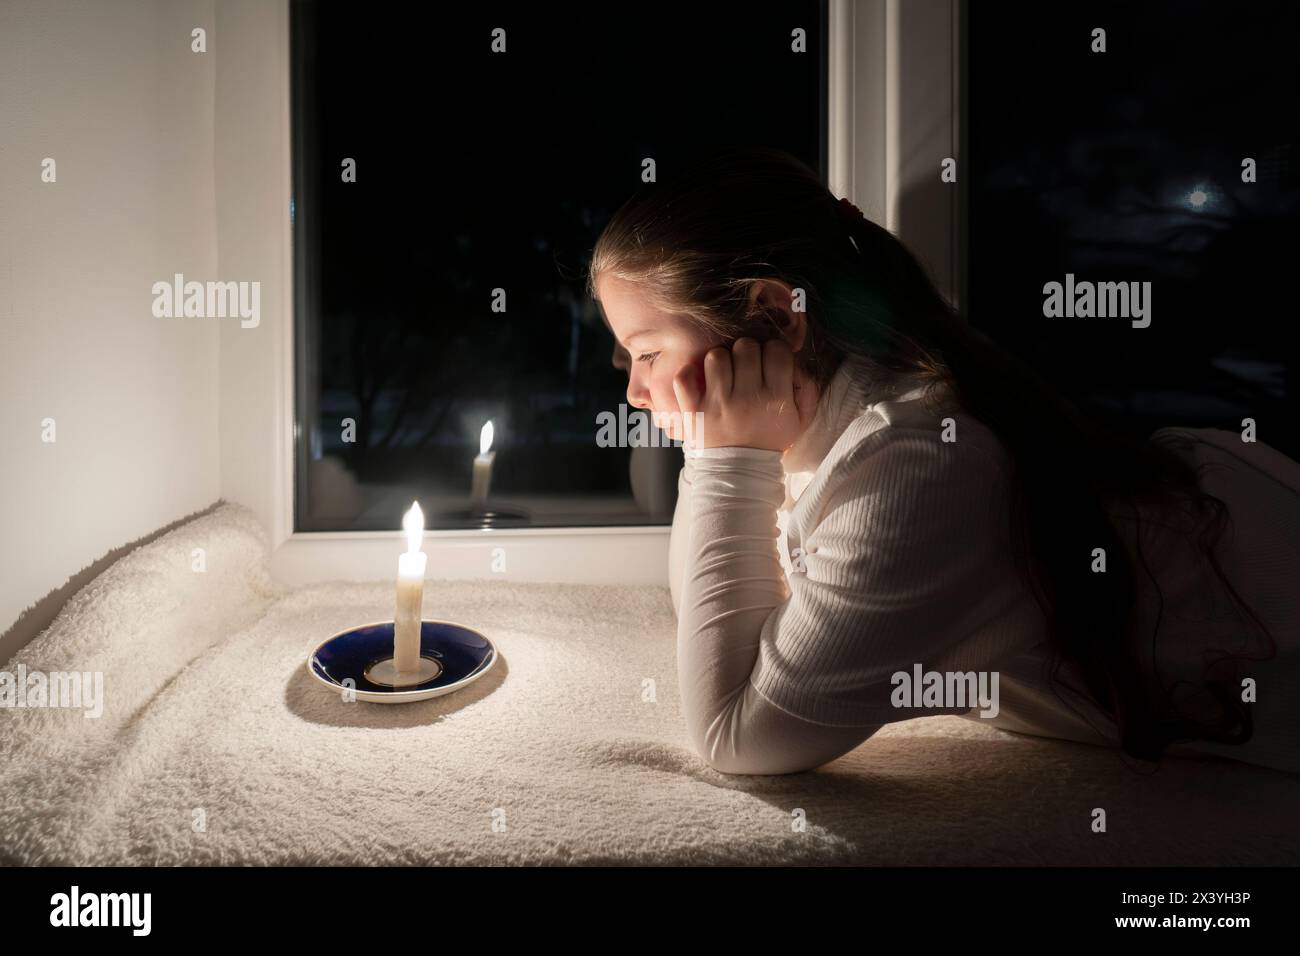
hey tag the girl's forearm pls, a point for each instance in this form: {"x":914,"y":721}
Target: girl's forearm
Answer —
{"x":732,"y":580}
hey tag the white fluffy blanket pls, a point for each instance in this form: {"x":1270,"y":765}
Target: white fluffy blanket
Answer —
{"x":216,"y":747}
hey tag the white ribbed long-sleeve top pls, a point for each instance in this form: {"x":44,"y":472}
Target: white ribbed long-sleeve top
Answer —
{"x":803,"y":582}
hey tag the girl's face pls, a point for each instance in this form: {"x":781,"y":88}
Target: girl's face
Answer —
{"x":652,"y":346}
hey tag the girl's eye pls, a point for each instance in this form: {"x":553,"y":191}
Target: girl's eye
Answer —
{"x":647,"y":357}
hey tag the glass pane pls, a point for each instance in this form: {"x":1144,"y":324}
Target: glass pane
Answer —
{"x":477,"y":171}
{"x":1126,"y":166}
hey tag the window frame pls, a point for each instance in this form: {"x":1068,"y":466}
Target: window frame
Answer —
{"x":867,"y":44}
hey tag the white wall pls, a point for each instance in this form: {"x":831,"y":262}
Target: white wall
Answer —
{"x":113,"y":93}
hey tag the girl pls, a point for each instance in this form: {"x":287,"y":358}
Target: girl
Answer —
{"x":873,"y":491}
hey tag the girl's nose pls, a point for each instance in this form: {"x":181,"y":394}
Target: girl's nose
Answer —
{"x":637,"y":395}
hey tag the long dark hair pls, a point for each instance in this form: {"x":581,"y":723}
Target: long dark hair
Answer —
{"x":697,"y":242}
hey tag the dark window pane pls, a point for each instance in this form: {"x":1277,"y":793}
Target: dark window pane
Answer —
{"x":1125,"y":166}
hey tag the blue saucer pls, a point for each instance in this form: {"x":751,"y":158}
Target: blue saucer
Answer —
{"x":463,"y":657}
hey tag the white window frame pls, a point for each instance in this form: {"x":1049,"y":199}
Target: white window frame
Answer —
{"x":896,"y":86}
{"x":882,"y":149}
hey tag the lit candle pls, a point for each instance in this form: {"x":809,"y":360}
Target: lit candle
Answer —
{"x":410,"y":594}
{"x":482,"y":468}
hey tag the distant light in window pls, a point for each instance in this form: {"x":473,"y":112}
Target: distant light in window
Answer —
{"x":1198,"y":199}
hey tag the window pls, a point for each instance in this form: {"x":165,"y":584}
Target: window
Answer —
{"x":477,"y":171}
{"x":1126,"y":166}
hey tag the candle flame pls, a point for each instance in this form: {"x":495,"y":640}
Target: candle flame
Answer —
{"x":413,"y":525}
{"x":485,"y":438}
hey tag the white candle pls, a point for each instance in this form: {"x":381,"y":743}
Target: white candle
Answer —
{"x":482,"y":468}
{"x":410,"y":594}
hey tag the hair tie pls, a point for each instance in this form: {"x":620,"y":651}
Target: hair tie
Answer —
{"x":850,"y":212}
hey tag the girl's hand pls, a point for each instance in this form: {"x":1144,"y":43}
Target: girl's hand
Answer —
{"x":753,"y":397}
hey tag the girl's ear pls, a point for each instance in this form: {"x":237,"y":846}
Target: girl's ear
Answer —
{"x":771,"y":308}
